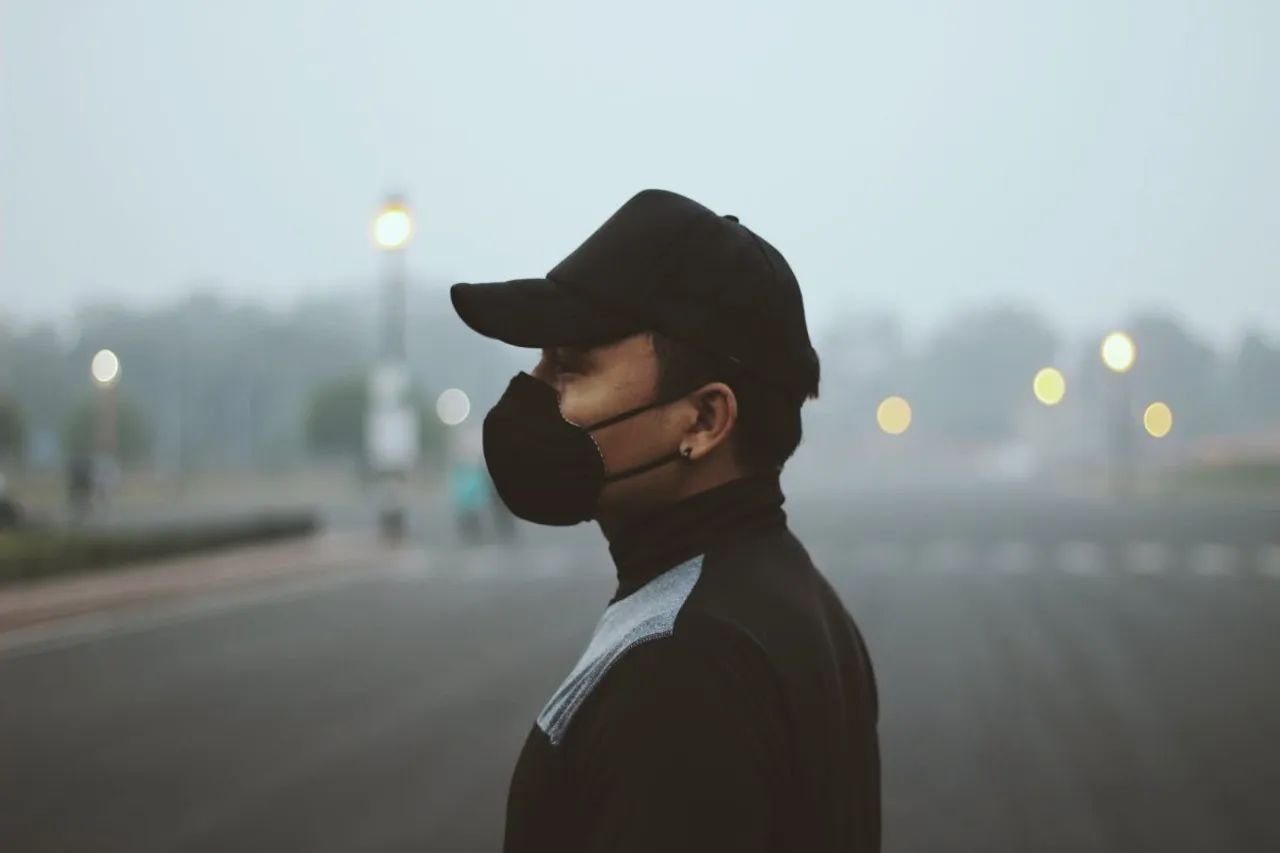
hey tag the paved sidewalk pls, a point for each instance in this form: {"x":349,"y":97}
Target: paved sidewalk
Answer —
{"x":23,"y":605}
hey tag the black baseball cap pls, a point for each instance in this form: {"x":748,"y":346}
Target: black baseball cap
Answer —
{"x":662,"y":263}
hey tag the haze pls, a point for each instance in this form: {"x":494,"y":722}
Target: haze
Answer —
{"x":1084,"y":158}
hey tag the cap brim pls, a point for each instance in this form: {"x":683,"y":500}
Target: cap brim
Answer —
{"x":537,"y":313}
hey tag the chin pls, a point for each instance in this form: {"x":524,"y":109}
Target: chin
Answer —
{"x":614,"y":510}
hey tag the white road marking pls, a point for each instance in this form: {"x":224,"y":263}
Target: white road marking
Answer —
{"x":1214,"y":560}
{"x":1270,"y":564}
{"x":1081,"y":558}
{"x":490,"y":563}
{"x":1146,"y":558}
{"x":1012,"y":558}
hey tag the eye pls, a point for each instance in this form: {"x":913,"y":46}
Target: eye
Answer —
{"x":564,"y":363}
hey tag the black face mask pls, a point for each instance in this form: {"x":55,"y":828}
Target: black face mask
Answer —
{"x":546,"y":469}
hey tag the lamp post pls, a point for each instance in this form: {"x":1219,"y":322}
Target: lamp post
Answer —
{"x":391,"y":428}
{"x":105,"y":370}
{"x":392,"y":230}
{"x":1118,"y":353}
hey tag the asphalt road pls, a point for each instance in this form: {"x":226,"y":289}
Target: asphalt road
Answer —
{"x":1026,"y":707}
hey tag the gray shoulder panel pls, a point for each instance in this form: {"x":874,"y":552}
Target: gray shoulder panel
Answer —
{"x":647,"y":614}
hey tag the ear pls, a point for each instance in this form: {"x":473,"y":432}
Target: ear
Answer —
{"x":716,"y":409}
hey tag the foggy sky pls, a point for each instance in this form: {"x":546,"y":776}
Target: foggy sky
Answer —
{"x":1084,"y":157}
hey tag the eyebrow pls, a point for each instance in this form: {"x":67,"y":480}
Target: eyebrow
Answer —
{"x":574,"y":354}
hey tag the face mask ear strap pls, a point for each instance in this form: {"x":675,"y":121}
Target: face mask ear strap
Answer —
{"x":639,"y":410}
{"x":624,"y":416}
{"x":679,"y":455}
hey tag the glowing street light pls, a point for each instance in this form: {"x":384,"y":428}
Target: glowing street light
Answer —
{"x":453,"y":407}
{"x":893,"y":415}
{"x":1049,"y":386}
{"x":393,"y":227}
{"x":105,"y":368}
{"x":1158,"y":420}
{"x":1119,"y":352}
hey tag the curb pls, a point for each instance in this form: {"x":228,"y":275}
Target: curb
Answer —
{"x":42,"y":601}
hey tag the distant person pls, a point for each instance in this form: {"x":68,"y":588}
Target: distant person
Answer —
{"x":726,"y":701}
{"x":469,"y":491}
{"x":106,"y":479}
{"x":11,"y":514}
{"x":80,"y":485}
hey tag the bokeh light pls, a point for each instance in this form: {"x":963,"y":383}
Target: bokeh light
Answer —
{"x":393,"y":227}
{"x":1158,"y":420}
{"x":1050,"y":386}
{"x":893,"y":415}
{"x":1119,"y":352}
{"x":453,"y":407}
{"x":105,"y":367}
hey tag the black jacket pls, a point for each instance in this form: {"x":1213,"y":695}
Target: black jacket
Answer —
{"x":725,"y":701}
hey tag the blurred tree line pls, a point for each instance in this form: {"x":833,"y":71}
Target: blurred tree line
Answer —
{"x":971,"y":378}
{"x":335,"y":419}
{"x":208,"y":382}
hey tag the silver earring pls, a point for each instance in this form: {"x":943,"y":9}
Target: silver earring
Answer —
{"x":686,"y":452}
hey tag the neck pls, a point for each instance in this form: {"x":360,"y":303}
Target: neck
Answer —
{"x":643,"y":548}
{"x":714,"y":472}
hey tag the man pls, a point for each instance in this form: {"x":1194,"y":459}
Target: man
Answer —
{"x":726,"y":701}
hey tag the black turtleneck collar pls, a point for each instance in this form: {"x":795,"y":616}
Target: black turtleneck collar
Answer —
{"x":648,"y":547}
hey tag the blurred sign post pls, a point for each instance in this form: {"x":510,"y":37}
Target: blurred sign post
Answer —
{"x":392,"y":427}
{"x":1118,"y":355}
{"x":391,"y":430}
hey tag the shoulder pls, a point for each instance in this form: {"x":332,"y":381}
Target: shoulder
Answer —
{"x":704,"y":667}
{"x":765,"y":586}
{"x":704,"y":682}
{"x":698,"y":641}
{"x":640,"y":627}
{"x":668,"y":639}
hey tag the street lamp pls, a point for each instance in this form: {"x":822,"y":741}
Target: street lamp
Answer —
{"x":105,"y":370}
{"x":393,"y":226}
{"x":893,"y":416}
{"x":392,"y":231}
{"x":392,"y":432}
{"x":1119,"y":353}
{"x":1049,"y":386}
{"x":1158,"y":420}
{"x":453,"y":406}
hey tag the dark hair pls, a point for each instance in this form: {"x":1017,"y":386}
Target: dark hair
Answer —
{"x":768,"y":429}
